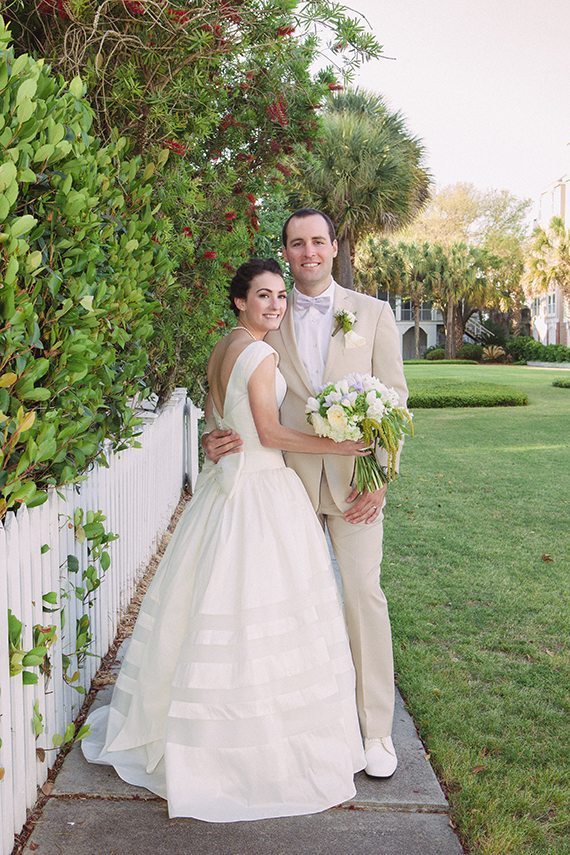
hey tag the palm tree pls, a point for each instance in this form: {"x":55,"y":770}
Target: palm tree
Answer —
{"x":460,"y":286}
{"x":365,"y":172}
{"x":548,"y":264}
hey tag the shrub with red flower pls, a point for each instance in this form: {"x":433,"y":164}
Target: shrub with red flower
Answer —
{"x":187,"y":231}
{"x":210,"y":254}
{"x":285,"y":31}
{"x":134,"y":7}
{"x":230,"y":215}
{"x":336,"y":87}
{"x":181,"y":15}
{"x":175,"y":146}
{"x":277,"y":112}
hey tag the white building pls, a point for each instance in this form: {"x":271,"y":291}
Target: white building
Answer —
{"x":550,"y":312}
{"x":431,"y":325}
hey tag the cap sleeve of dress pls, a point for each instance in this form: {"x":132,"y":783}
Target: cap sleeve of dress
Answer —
{"x":253,"y":356}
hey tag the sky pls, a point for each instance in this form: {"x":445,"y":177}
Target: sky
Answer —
{"x":484,"y":83}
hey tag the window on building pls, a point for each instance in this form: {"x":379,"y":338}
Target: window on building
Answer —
{"x":388,"y":297}
{"x":551,"y":304}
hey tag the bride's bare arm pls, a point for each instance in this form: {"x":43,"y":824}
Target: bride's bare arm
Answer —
{"x":272,"y":434}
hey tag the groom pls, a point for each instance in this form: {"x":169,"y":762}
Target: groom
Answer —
{"x":310,"y":355}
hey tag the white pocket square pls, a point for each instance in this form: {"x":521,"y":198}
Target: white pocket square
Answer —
{"x":352,"y":340}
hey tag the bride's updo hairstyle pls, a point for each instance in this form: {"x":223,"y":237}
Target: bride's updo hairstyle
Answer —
{"x":244,"y":276}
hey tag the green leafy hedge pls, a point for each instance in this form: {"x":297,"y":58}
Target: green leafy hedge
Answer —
{"x":524,"y":348}
{"x":78,"y":268}
{"x":434,"y":393}
{"x":441,"y":362}
{"x":562,"y":382}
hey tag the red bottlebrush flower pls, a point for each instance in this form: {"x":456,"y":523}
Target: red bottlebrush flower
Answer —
{"x":339,"y":46}
{"x":277,"y":112}
{"x":285,"y":31}
{"x":229,"y":267}
{"x":181,"y":15}
{"x":336,"y":87}
{"x":251,"y":198}
{"x":220,"y":323}
{"x":254,"y":223}
{"x":175,"y":146}
{"x":155,"y":239}
{"x":209,"y":255}
{"x":245,"y":158}
{"x":134,"y":7}
{"x":250,"y":75}
{"x":226,"y":122}
{"x":238,"y":189}
{"x":187,"y":231}
{"x":46,"y":7}
{"x":275,"y":146}
{"x":230,"y":215}
{"x":283,"y":169}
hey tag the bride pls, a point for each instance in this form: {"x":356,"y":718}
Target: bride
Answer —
{"x":236,"y":697}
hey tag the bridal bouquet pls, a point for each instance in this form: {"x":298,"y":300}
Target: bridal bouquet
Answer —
{"x":360,"y":407}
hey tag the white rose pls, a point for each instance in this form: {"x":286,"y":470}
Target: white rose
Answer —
{"x":337,"y":418}
{"x":320,"y":425}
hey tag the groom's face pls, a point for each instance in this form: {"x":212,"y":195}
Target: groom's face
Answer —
{"x":310,"y":253}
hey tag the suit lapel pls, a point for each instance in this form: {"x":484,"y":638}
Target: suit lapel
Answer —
{"x":287,"y":330}
{"x":336,"y":346}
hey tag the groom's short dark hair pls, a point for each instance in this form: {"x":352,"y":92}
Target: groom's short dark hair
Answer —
{"x":308,"y":212}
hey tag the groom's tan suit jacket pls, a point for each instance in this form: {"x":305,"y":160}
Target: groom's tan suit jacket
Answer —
{"x":380,"y":355}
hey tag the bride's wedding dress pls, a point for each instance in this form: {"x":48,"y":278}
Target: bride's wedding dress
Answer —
{"x":236,"y":698}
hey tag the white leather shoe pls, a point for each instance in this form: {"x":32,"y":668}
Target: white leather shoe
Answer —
{"x":381,"y":760}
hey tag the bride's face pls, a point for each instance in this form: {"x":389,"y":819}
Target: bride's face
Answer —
{"x":265,"y":304}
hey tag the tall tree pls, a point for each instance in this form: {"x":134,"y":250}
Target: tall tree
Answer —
{"x":228,"y":87}
{"x":548,"y":261}
{"x":365,"y":171}
{"x":460,"y":287}
{"x":460,"y":213}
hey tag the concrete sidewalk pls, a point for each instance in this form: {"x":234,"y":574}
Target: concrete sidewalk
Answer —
{"x":91,"y":811}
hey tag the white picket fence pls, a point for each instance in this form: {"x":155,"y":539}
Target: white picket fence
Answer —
{"x":137,"y":493}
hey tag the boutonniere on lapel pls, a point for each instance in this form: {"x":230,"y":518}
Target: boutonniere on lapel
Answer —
{"x":345,"y":321}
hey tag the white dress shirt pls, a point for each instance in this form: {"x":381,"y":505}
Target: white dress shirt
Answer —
{"x":313,"y":330}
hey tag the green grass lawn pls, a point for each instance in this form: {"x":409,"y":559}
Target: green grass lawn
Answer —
{"x":476,"y":570}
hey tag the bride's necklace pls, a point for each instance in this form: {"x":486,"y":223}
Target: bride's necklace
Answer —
{"x":249,"y":332}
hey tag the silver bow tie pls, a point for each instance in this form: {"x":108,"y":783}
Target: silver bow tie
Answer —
{"x":322,"y":304}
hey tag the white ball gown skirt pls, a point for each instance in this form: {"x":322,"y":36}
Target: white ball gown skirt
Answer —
{"x":236,"y":698}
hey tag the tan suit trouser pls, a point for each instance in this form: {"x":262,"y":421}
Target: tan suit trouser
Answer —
{"x":358,"y":550}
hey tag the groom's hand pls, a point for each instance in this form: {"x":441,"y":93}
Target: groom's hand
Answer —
{"x":218,"y":443}
{"x":366,"y":506}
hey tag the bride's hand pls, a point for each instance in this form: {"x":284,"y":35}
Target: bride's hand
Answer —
{"x":349,"y":448}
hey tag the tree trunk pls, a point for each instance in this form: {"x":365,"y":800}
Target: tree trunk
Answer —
{"x":417,"y":307}
{"x":458,"y":329}
{"x":450,"y":330}
{"x":342,"y":266}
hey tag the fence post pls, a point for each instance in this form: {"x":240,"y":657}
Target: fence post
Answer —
{"x":192,"y":455}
